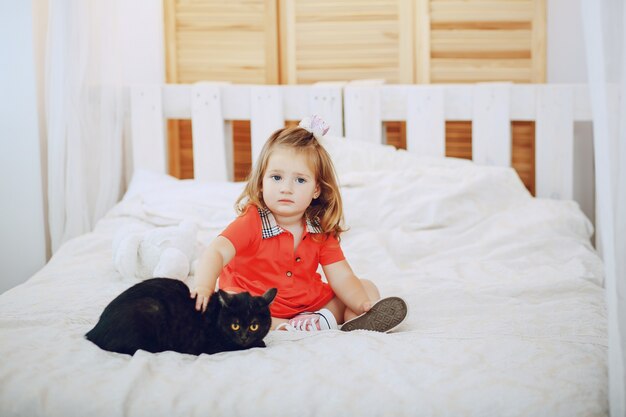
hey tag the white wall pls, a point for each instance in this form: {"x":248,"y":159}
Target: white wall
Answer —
{"x":566,"y":64}
{"x":22,"y":236}
{"x":147,"y":67}
{"x":566,"y":52}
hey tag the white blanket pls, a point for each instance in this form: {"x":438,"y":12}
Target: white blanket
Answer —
{"x":506,"y":317}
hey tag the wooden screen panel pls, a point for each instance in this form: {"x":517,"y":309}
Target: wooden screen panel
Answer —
{"x":328,"y":40}
{"x":481,"y":40}
{"x":234,"y":41}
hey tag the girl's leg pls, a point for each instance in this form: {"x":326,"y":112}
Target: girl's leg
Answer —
{"x":339,"y":309}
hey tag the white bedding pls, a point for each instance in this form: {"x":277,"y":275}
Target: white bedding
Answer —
{"x":506,"y":317}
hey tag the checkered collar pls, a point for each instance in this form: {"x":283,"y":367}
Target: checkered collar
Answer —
{"x":270,"y":228}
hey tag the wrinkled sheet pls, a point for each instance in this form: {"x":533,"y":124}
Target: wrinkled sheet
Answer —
{"x":507,"y":314}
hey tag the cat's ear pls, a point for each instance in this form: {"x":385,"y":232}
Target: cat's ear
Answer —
{"x":224,"y":297}
{"x":269,"y":295}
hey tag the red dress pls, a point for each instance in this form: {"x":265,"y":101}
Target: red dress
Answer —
{"x":265,"y":259}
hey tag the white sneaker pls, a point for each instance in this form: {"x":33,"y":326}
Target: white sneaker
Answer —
{"x":311,"y":322}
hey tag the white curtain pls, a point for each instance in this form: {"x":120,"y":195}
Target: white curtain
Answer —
{"x":85,"y":115}
{"x":605,"y":45}
{"x":94,"y":50}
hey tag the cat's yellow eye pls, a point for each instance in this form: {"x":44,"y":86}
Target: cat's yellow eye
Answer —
{"x":254,"y":327}
{"x":234,"y":326}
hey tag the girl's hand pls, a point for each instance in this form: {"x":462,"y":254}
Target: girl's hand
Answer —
{"x":202,"y":295}
{"x":366,"y":306}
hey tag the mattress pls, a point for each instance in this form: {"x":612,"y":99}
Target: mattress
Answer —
{"x":506,"y":308}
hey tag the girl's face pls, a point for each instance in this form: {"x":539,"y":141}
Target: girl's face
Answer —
{"x":289,"y":183}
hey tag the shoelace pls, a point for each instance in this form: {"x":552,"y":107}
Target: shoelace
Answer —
{"x":302,"y":325}
{"x":308,"y":324}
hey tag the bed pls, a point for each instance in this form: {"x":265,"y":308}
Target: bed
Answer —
{"x":505,"y":291}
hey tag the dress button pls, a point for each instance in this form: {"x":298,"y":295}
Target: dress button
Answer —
{"x":298,"y":259}
{"x":289,"y":273}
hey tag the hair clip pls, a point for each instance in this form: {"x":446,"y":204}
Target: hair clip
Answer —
{"x":315,"y":125}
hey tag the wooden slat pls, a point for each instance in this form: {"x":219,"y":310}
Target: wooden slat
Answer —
{"x":483,"y":11}
{"x":170,"y":29}
{"x":491,"y":125}
{"x":422,"y":41}
{"x":481,"y":44}
{"x":147,"y":127}
{"x":426,"y":121}
{"x":327,"y":102}
{"x":266,"y":116}
{"x":523,"y":157}
{"x":539,"y":42}
{"x":211,"y":156}
{"x":186,"y":150}
{"x":174,"y":148}
{"x":242,"y":148}
{"x":464,"y":70}
{"x":555,"y":142}
{"x":271,"y":42}
{"x":395,"y":134}
{"x":287,"y":38}
{"x":458,"y":102}
{"x":362,"y":113}
{"x":406,"y":48}
{"x":171,"y":76}
{"x":459,"y":139}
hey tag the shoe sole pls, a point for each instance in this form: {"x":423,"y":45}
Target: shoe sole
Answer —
{"x":383,"y":317}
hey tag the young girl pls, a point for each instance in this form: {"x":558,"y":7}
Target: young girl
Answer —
{"x":289,"y":223}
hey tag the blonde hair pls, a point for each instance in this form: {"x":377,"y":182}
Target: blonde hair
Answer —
{"x":326,"y":210}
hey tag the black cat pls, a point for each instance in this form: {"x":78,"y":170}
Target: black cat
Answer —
{"x":158,"y":315}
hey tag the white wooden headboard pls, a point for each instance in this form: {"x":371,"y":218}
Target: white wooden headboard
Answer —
{"x":211,"y":108}
{"x":362,"y":108}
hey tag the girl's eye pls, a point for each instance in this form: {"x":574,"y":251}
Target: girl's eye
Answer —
{"x":276,"y":177}
{"x":234,"y":326}
{"x":254,"y":327}
{"x":301,"y":180}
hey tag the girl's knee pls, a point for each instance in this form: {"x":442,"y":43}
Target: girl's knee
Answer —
{"x":371,"y":289}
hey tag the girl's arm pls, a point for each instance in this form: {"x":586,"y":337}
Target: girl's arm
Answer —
{"x":213,"y":259}
{"x":347,"y":286}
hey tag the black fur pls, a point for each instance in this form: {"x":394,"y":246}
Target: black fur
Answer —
{"x":158,"y":315}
